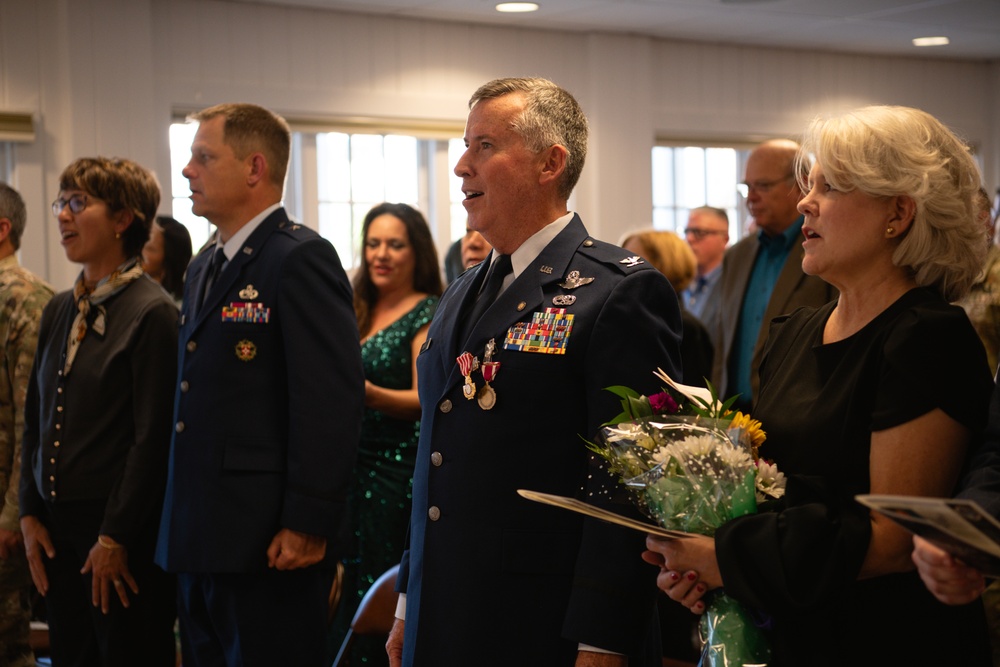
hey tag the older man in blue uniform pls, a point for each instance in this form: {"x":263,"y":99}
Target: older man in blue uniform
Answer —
{"x":268,"y":410}
{"x":511,"y":376}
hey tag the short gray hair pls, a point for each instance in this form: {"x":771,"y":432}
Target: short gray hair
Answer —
{"x":551,"y":117}
{"x":12,"y":207}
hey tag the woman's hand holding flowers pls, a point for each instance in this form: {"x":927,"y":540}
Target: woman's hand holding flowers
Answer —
{"x":688,"y":568}
{"x":692,"y":470}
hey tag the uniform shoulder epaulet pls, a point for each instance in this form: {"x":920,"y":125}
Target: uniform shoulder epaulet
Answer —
{"x":296,"y":230}
{"x":612,"y":255}
{"x":291,"y":227}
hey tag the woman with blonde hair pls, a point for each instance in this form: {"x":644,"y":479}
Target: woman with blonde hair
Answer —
{"x":673,"y":257}
{"x":883,"y":391}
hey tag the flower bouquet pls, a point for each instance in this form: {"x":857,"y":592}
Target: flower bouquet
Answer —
{"x":691,"y":464}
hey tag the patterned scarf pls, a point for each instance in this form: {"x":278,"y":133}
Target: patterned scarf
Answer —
{"x":85,"y":299}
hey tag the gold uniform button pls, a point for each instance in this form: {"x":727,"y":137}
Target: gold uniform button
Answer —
{"x":184,"y":385}
{"x":192,"y":346}
{"x":55,"y":444}
{"x":436,"y":458}
{"x":52,"y":493}
{"x":445,"y":406}
{"x":179,"y":427}
{"x":433,"y":513}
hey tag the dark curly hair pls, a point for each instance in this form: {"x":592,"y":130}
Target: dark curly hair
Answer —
{"x":176,"y":254}
{"x":426,"y":272}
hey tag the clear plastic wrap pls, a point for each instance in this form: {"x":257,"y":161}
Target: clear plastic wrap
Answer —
{"x":693,"y":474}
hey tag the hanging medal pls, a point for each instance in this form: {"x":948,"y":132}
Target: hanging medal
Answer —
{"x":466,"y":364}
{"x":486,"y":396}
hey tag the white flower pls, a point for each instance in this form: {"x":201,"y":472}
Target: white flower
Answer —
{"x":661,"y":455}
{"x":695,"y":445}
{"x":734,"y":457}
{"x":770,"y":481}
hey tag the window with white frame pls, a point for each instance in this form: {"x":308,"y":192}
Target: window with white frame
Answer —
{"x":335,"y":178}
{"x":181,"y":136}
{"x":689,"y":176}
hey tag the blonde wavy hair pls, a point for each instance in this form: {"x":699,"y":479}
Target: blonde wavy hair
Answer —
{"x":887,"y":151}
{"x":668,"y":253}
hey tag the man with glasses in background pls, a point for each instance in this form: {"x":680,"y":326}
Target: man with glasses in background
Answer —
{"x":762,"y":275}
{"x":707,"y":233}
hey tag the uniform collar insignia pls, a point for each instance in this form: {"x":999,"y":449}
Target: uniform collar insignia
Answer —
{"x":629,"y":262}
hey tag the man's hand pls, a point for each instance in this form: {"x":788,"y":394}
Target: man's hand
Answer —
{"x":108,"y":564}
{"x":290,"y":550}
{"x":10,"y":543}
{"x":592,"y":659}
{"x":37,"y":542}
{"x":394,"y":647}
{"x":949,"y":580}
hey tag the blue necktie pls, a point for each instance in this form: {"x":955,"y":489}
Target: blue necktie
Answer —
{"x":214,"y":269}
{"x":498,"y":270}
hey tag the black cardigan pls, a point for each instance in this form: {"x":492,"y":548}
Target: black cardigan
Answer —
{"x":102,"y":433}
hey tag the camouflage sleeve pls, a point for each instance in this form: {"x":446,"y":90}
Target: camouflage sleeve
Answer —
{"x":19,"y":351}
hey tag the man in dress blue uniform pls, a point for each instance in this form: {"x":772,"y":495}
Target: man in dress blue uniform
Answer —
{"x":489,"y":578}
{"x":267,"y":413}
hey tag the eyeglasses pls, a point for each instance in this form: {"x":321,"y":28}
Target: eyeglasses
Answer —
{"x":76,"y":203}
{"x":701,"y":233}
{"x":763,"y":187}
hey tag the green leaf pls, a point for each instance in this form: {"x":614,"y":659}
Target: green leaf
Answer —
{"x":618,"y":419}
{"x":622,"y":391}
{"x":728,"y":404}
{"x":639,"y":407}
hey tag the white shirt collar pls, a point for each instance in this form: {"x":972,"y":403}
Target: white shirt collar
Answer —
{"x":237,"y":240}
{"x":536,"y":243}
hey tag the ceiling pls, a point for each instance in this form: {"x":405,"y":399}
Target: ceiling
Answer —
{"x":852,"y":26}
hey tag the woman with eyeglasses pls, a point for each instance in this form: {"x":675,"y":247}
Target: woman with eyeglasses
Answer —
{"x":97,"y":429}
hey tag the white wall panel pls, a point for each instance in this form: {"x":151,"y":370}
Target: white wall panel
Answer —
{"x":105,"y":76}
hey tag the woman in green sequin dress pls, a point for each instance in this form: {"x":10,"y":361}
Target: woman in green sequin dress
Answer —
{"x":396,"y":291}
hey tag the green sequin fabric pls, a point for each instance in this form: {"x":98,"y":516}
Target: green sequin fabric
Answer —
{"x":383,"y":477}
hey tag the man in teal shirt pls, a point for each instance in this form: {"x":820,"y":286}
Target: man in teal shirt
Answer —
{"x":762,"y":274}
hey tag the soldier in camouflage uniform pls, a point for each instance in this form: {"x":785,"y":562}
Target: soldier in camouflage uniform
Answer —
{"x":22,"y":297}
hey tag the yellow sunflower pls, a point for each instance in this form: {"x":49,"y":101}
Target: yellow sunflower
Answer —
{"x":753,"y":429}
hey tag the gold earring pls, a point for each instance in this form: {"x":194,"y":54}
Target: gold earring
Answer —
{"x":890,"y":231}
{"x":118,"y":235}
